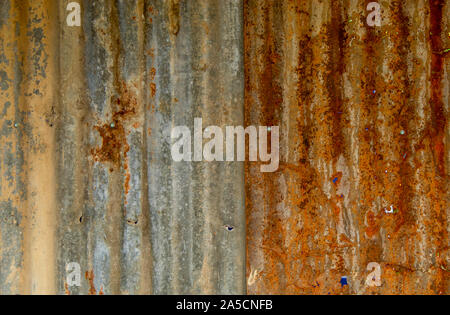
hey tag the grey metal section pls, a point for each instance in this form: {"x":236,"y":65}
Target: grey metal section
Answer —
{"x":133,"y":219}
{"x":198,"y":73}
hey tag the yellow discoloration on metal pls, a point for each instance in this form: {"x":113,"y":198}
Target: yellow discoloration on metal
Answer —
{"x":33,"y":35}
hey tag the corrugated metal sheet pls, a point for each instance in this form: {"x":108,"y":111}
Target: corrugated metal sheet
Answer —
{"x":87,"y":174}
{"x":342,"y":92}
{"x":86,"y":168}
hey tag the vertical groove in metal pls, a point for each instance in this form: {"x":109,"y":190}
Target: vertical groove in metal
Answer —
{"x":363,"y":114}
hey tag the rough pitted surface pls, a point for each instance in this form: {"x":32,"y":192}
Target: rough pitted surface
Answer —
{"x":364,"y":131}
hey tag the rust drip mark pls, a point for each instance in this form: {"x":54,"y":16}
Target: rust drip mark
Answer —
{"x":152,"y":83}
{"x":400,"y":92}
{"x":304,"y":95}
{"x":370,"y":164}
{"x":153,"y":89}
{"x":174,"y":16}
{"x":267,"y":90}
{"x":114,"y":143}
{"x":290,"y":246}
{"x":373,"y":224}
{"x":89,"y":275}
{"x":437,"y":60}
{"x":127,"y":179}
{"x":271,"y":93}
{"x":336,"y":41}
{"x":66,"y":288}
{"x":439,"y":122}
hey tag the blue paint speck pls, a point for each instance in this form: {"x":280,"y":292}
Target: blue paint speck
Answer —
{"x":344,"y":281}
{"x":335,"y":180}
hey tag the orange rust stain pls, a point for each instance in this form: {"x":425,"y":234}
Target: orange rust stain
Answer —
{"x":153,"y":89}
{"x":89,"y":275}
{"x":439,"y":119}
{"x":290,"y":245}
{"x":152,"y":71}
{"x":66,"y":288}
{"x":150,"y":52}
{"x":336,"y":178}
{"x":438,"y":127}
{"x":373,"y":226}
{"x":127,"y":183}
{"x":152,"y":78}
{"x":114,"y":143}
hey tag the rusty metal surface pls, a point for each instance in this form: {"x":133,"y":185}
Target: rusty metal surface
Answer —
{"x":363,"y":115}
{"x":86,"y":170}
{"x":86,"y":173}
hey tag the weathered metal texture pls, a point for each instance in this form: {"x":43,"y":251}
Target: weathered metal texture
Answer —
{"x":86,"y":172}
{"x":342,"y":92}
{"x":85,"y":160}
